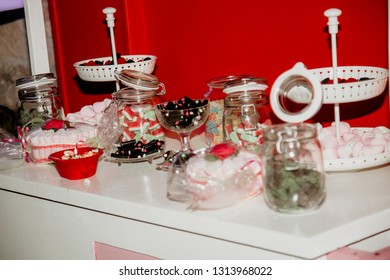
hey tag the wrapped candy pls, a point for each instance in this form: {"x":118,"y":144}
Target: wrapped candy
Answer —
{"x":222,"y":176}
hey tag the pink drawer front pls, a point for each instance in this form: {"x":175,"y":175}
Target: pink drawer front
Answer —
{"x":354,"y":254}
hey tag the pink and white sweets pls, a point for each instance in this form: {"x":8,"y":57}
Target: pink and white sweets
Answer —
{"x":219,"y":183}
{"x":354,"y":142}
{"x":89,"y":114}
{"x":41,"y":143}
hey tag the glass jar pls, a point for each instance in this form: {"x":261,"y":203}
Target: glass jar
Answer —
{"x":39,"y":99}
{"x":293,"y":171}
{"x":141,"y":135}
{"x":246,"y":112}
{"x":214,"y":124}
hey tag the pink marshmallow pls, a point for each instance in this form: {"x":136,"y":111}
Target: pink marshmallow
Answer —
{"x":380,"y":129}
{"x":330,"y":141}
{"x":107,"y":102}
{"x":367,"y":137}
{"x":387,"y":147}
{"x":378,"y":142}
{"x":330,"y":130}
{"x":358,"y":131}
{"x":344,"y":127}
{"x":99,"y":117}
{"x":344,"y":151}
{"x":329,"y":154}
{"x":87,"y":111}
{"x":354,"y":140}
{"x":349,"y":136}
{"x":357,"y":149}
{"x":98,"y":107}
{"x":372,"y":150}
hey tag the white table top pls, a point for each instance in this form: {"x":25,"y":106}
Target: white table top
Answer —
{"x":357,"y":206}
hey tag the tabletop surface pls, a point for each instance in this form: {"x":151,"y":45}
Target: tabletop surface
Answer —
{"x":357,"y":206}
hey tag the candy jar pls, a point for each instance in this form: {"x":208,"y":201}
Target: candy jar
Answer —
{"x":142,"y":137}
{"x":214,"y":125}
{"x":39,"y":99}
{"x":293,"y":175}
{"x":293,"y":168}
{"x":246,"y":112}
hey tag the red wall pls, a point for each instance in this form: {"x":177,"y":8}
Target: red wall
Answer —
{"x":198,"y":40}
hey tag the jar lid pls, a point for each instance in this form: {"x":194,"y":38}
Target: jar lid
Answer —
{"x":245,"y":84}
{"x":133,"y":94}
{"x":219,"y":82}
{"x":137,"y":79}
{"x":296,"y":95}
{"x":35,"y":80}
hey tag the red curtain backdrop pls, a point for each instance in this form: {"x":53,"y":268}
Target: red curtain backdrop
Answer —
{"x":199,"y":40}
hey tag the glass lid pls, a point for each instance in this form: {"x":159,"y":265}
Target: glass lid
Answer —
{"x":296,"y":95}
{"x":137,"y":79}
{"x":245,"y":84}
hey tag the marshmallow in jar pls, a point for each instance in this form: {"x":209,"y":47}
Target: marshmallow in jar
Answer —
{"x":291,"y":153}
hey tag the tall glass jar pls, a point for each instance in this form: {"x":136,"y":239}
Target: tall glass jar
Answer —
{"x":293,"y":171}
{"x":246,"y":112}
{"x":214,"y":124}
{"x":141,"y":135}
{"x":39,"y":99}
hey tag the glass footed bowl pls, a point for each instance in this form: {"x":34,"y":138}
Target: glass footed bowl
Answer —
{"x":182,"y":118}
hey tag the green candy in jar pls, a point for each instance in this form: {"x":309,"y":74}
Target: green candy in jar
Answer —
{"x":293,"y":174}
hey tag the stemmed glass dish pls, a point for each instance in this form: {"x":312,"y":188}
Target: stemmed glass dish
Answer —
{"x":182,"y":116}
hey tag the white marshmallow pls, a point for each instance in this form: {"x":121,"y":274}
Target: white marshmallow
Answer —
{"x":87,"y":111}
{"x":330,"y":141}
{"x":74,"y":117}
{"x":380,"y":129}
{"x":378,"y":142}
{"x":358,"y":131}
{"x":344,"y":127}
{"x":357,"y":149}
{"x":372,"y":150}
{"x":329,"y":154}
{"x":367,"y":137}
{"x":107,"y":102}
{"x":330,"y":130}
{"x":99,"y":107}
{"x":344,"y":151}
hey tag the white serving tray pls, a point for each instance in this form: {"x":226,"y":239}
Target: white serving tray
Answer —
{"x":357,"y":163}
{"x":105,"y":73}
{"x":352,"y":91}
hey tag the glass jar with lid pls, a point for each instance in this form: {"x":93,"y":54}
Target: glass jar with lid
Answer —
{"x":39,"y":99}
{"x":214,"y":124}
{"x":141,"y":136}
{"x":293,"y":168}
{"x":246,"y":112}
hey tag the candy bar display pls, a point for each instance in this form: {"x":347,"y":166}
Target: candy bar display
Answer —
{"x":246,"y":112}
